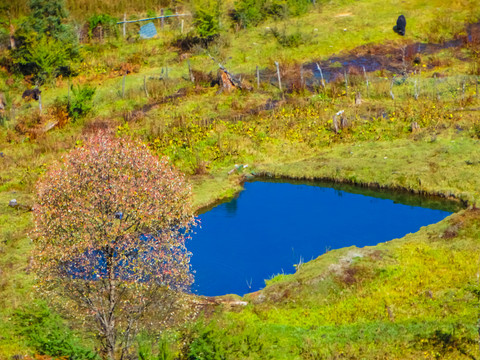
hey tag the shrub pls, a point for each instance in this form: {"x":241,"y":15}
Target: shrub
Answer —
{"x":108,"y":23}
{"x":248,"y":12}
{"x":164,"y":352}
{"x":294,"y":39}
{"x":81,"y":102}
{"x":252,"y":12}
{"x":46,"y":333}
{"x":44,"y":42}
{"x":42,"y":57}
{"x":206,"y":19}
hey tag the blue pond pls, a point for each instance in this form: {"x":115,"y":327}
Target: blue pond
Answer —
{"x":271,"y":226}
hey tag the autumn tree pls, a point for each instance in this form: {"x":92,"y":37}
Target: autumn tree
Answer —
{"x":111,"y":220}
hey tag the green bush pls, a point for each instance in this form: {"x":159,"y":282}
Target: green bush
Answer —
{"x":164,"y":352}
{"x":45,"y":44}
{"x":46,"y":333}
{"x":252,"y":12}
{"x":229,"y":340}
{"x":248,"y":12}
{"x":206,"y":19}
{"x":42,"y":57}
{"x":108,"y":23}
{"x":80,"y":102}
{"x":294,"y":39}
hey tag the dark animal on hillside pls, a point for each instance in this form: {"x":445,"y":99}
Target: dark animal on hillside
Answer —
{"x":401,"y":25}
{"x":31,"y":94}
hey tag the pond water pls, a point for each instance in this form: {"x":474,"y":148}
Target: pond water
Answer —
{"x":271,"y":226}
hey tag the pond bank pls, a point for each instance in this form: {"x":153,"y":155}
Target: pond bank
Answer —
{"x":445,"y":168}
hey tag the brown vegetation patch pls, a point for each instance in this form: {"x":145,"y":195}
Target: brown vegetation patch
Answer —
{"x":348,"y":272}
{"x":278,"y":292}
{"x":474,"y":33}
{"x":349,"y":275}
{"x":459,"y":222}
{"x":99,"y":124}
{"x":31,"y":125}
{"x":376,"y":255}
{"x":451,"y":232}
{"x":189,"y":42}
{"x":140,"y":112}
{"x":203,"y":78}
{"x":127,"y":68}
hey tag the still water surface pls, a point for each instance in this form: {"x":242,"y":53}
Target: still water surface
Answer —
{"x":271,"y":226}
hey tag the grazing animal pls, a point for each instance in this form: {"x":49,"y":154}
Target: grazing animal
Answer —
{"x":401,"y":25}
{"x":31,"y":94}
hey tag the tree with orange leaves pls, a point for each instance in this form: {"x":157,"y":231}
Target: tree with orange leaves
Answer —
{"x":111,"y":220}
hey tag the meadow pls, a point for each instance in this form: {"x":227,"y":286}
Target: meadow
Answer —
{"x":415,"y":129}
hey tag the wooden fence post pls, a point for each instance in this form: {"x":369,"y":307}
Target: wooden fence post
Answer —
{"x":124,"y":24}
{"x":190,"y":73}
{"x":40,"y":103}
{"x":391,"y":90}
{"x":162,"y":22}
{"x":12,"y":35}
{"x":321,"y":75}
{"x":123,"y":86}
{"x":335,"y":124}
{"x":68,"y":92}
{"x":181,"y":27}
{"x":476,"y":86}
{"x":435,"y":82}
{"x":258,"y":78}
{"x":358,"y":98}
{"x":366,"y":80}
{"x":346,"y":81}
{"x":343,"y":121}
{"x":302,"y":85}
{"x":278,"y":75}
{"x":145,"y":85}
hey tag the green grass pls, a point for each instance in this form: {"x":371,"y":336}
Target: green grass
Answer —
{"x":407,"y":298}
{"x":443,"y":166}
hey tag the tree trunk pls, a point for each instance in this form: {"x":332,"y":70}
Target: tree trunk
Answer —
{"x":110,"y":338}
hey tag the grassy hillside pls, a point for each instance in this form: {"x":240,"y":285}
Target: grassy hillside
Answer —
{"x":416,"y":129}
{"x":408,"y":298}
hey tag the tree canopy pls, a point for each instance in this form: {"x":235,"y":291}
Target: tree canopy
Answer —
{"x":111,"y":220}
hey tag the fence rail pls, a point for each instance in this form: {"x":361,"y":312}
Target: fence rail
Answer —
{"x":152,"y":18}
